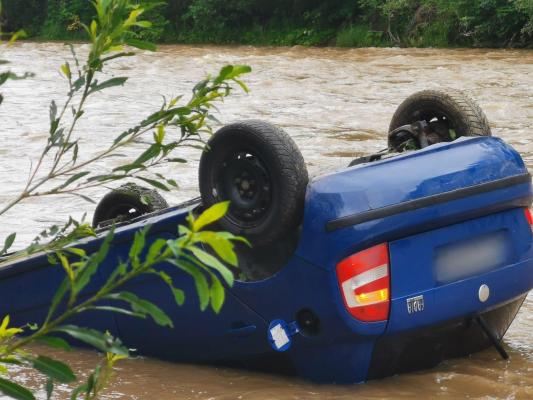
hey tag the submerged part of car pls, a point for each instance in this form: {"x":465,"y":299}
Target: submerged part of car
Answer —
{"x":396,"y":265}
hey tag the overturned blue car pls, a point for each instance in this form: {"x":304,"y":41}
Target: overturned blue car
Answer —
{"x":407,"y":257}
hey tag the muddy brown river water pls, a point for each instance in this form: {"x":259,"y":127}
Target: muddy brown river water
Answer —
{"x":337,"y":105}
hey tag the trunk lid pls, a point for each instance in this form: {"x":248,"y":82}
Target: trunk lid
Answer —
{"x":410,"y":194}
{"x":460,"y":269}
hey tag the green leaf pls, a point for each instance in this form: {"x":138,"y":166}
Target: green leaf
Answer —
{"x":74,"y":178}
{"x":143,"y":24}
{"x":87,"y":271}
{"x":49,"y":388}
{"x":118,"y":55}
{"x":104,"y":178}
{"x":154,"y":183}
{"x":231,"y":72}
{"x":242,"y":85}
{"x":144,"y":307}
{"x":98,"y":340}
{"x":78,"y":83}
{"x":14,"y":390}
{"x":155,"y":250}
{"x":138,"y":245}
{"x":159,"y":135}
{"x":212,"y":262}
{"x":202,"y":287}
{"x":173,"y":183}
{"x":16,"y":35}
{"x":59,"y":295}
{"x":8,"y":243}
{"x":231,"y":236}
{"x":54,"y":369}
{"x":128,"y":167}
{"x":53,"y":111}
{"x":225,"y":71}
{"x":217,"y":294}
{"x":82,"y":196}
{"x":65,"y":68}
{"x":119,"y":81}
{"x":53,"y":341}
{"x":212,"y":214}
{"x":76,"y":251}
{"x":66,"y":265}
{"x":221,"y":245}
{"x":177,"y":160}
{"x":151,"y":152}
{"x":83,"y":388}
{"x":240,"y":70}
{"x":140,"y":44}
{"x":10,"y":360}
{"x":179,"y":295}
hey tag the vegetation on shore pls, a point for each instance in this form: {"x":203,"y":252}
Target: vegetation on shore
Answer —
{"x":345,"y":23}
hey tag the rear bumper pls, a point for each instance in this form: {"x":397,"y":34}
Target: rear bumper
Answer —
{"x":425,"y":348}
{"x":364,"y":358}
{"x":461,"y":299}
{"x":446,"y":328}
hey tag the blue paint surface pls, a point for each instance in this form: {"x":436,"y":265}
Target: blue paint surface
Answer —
{"x":341,"y":349}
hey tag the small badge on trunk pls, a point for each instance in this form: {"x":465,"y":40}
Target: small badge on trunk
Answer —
{"x":415,"y":304}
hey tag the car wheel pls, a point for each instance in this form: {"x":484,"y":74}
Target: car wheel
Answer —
{"x":448,"y":115}
{"x":126,"y":203}
{"x":259,"y":169}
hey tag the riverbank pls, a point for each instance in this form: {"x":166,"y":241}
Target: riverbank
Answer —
{"x":351,"y":37}
{"x":341,"y":23}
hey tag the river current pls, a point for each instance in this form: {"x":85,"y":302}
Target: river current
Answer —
{"x":336,"y":104}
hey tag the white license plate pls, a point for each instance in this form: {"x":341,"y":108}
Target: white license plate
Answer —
{"x":471,"y":257}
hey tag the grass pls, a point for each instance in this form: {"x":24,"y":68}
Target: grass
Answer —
{"x":435,"y":34}
{"x":360,"y":36}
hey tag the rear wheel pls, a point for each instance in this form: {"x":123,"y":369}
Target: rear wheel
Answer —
{"x":446,"y":116}
{"x":259,"y":169}
{"x":126,"y":203}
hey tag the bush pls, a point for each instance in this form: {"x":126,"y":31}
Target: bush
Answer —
{"x":359,"y":36}
{"x":63,"y":18}
{"x":307,"y":22}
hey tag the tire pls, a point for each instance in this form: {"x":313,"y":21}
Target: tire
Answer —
{"x":460,"y":113}
{"x":259,"y":169}
{"x":126,"y":203}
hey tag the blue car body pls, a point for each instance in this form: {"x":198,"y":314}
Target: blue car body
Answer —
{"x":422,"y":204}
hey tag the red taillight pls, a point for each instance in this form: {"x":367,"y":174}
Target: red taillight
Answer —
{"x":529,"y":217}
{"x":365,"y":283}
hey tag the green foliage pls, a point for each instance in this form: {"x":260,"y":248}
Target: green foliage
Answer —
{"x":185,"y":253}
{"x":526,"y":7}
{"x":306,"y":22}
{"x":359,"y":36}
{"x":117,"y":23}
{"x":14,"y":390}
{"x":63,"y":18}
